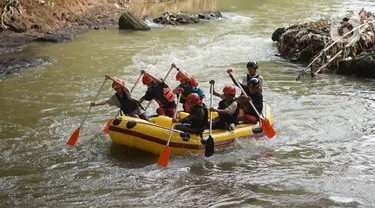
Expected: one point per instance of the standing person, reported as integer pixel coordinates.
(249, 115)
(228, 108)
(161, 93)
(123, 100)
(196, 121)
(186, 88)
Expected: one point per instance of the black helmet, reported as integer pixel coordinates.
(252, 64)
(253, 82)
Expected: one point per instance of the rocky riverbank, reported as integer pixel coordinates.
(337, 44)
(61, 20)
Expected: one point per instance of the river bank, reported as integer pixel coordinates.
(57, 21)
(62, 21)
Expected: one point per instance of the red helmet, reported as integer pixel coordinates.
(146, 79)
(229, 90)
(193, 99)
(116, 84)
(181, 75)
(193, 82)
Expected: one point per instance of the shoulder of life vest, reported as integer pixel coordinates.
(248, 76)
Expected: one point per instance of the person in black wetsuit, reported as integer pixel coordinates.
(196, 121)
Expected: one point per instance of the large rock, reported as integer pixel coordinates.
(129, 21)
(11, 66)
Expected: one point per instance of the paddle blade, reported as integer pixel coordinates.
(210, 147)
(164, 157)
(105, 130)
(267, 128)
(73, 139)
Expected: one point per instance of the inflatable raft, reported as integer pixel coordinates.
(153, 136)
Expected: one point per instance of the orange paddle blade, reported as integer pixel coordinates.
(164, 157)
(267, 128)
(73, 139)
(105, 130)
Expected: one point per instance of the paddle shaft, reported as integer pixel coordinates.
(165, 77)
(211, 96)
(174, 116)
(243, 91)
(96, 97)
(136, 82)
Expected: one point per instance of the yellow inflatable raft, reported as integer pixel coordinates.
(153, 136)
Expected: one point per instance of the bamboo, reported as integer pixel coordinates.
(329, 61)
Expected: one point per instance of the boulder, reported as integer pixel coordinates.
(11, 66)
(129, 21)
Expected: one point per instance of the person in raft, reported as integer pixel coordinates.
(228, 108)
(249, 115)
(252, 67)
(196, 121)
(161, 93)
(123, 100)
(186, 87)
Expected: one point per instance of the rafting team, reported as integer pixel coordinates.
(191, 97)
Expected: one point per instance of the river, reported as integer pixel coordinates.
(322, 155)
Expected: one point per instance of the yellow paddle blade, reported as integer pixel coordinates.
(267, 128)
(73, 139)
(106, 127)
(164, 157)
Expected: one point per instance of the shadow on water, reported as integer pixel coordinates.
(130, 157)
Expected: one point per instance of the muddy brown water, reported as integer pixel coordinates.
(322, 155)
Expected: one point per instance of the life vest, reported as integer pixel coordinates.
(127, 105)
(248, 77)
(226, 117)
(199, 92)
(163, 95)
(257, 99)
(188, 89)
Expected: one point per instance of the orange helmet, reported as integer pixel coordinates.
(116, 84)
(146, 79)
(193, 82)
(193, 99)
(229, 90)
(181, 75)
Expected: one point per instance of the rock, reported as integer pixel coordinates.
(182, 18)
(62, 35)
(11, 66)
(277, 34)
(363, 65)
(129, 21)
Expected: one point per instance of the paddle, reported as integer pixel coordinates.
(266, 126)
(106, 127)
(165, 77)
(166, 152)
(210, 145)
(74, 137)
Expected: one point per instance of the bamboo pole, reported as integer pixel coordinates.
(329, 61)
